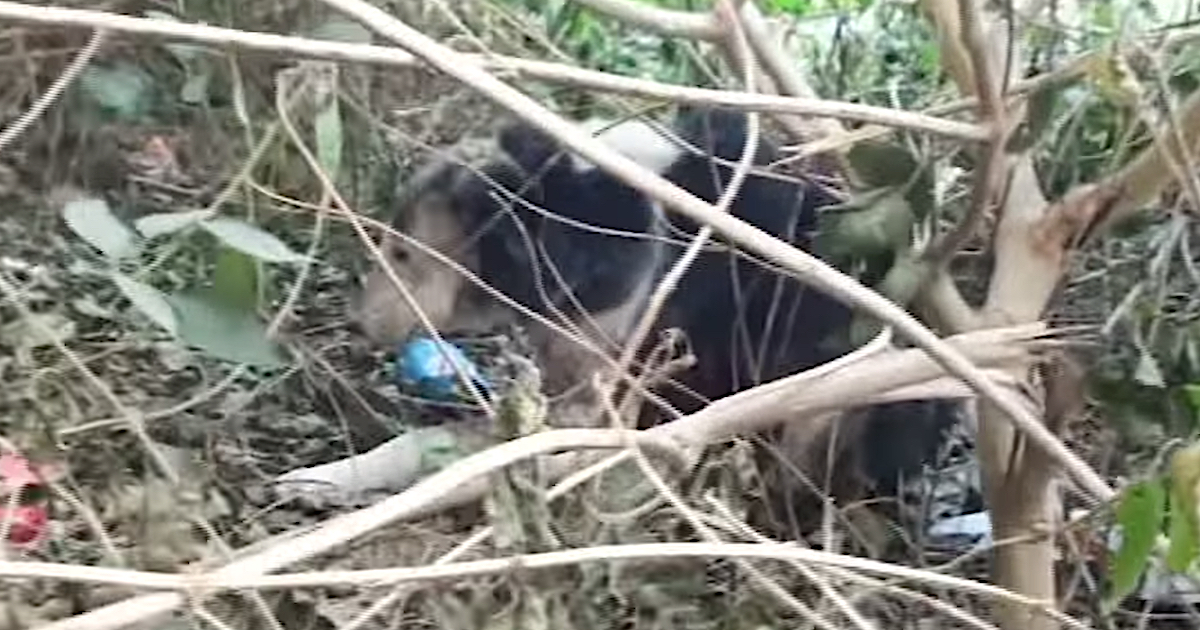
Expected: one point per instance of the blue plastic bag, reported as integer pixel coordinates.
(428, 366)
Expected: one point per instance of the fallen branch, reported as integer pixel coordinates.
(206, 583)
(888, 376)
(464, 481)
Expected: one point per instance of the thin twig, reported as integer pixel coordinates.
(730, 521)
(68, 76)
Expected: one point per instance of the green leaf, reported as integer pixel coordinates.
(150, 301)
(235, 280)
(195, 89)
(1192, 391)
(904, 279)
(899, 285)
(920, 193)
(858, 200)
(123, 89)
(1184, 533)
(881, 165)
(1182, 530)
(328, 128)
(1140, 515)
(93, 221)
(795, 7)
(225, 333)
(883, 227)
(251, 240)
(153, 225)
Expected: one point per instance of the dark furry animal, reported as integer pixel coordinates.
(576, 245)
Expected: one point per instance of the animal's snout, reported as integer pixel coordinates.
(375, 311)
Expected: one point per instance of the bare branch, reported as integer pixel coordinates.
(661, 21)
(1144, 178)
(987, 88)
(947, 23)
(462, 482)
(951, 309)
(493, 566)
(699, 26)
(782, 70)
(542, 70)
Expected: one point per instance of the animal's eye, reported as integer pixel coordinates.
(398, 254)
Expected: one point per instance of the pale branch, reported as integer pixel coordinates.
(816, 390)
(783, 71)
(203, 583)
(947, 25)
(986, 87)
(1145, 177)
(540, 70)
(801, 400)
(465, 481)
(1035, 236)
(662, 21)
(950, 307)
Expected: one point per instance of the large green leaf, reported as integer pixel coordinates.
(249, 239)
(884, 226)
(153, 225)
(123, 89)
(328, 128)
(880, 165)
(236, 280)
(224, 332)
(1140, 515)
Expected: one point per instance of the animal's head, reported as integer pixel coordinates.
(483, 206)
(444, 207)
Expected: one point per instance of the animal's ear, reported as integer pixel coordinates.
(717, 132)
(528, 146)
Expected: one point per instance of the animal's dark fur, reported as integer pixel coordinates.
(745, 323)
